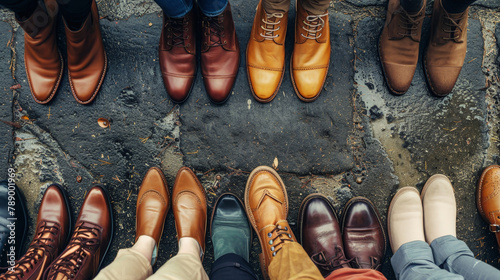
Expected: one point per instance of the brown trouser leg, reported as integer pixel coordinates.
(293, 263)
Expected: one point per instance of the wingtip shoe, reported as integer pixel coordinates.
(266, 204)
(488, 198)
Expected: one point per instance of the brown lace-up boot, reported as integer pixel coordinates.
(42, 59)
(266, 53)
(87, 62)
(220, 55)
(311, 53)
(90, 240)
(266, 204)
(177, 54)
(52, 231)
(398, 46)
(445, 53)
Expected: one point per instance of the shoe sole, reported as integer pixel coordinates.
(168, 208)
(250, 216)
(377, 214)
(398, 193)
(479, 191)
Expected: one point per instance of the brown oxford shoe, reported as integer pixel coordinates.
(177, 53)
(488, 198)
(363, 234)
(220, 55)
(51, 235)
(153, 202)
(311, 53)
(189, 206)
(445, 53)
(320, 235)
(266, 204)
(266, 53)
(87, 61)
(398, 46)
(42, 59)
(90, 241)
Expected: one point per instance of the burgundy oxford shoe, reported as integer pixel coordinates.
(319, 234)
(363, 234)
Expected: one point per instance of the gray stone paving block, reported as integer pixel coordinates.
(244, 133)
(497, 33)
(444, 135)
(6, 96)
(132, 98)
(364, 3)
(488, 3)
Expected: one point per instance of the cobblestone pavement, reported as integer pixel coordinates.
(356, 139)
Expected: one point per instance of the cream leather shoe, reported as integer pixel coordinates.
(440, 208)
(405, 218)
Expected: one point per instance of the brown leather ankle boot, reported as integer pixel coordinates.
(398, 46)
(445, 53)
(220, 55)
(51, 235)
(42, 59)
(87, 60)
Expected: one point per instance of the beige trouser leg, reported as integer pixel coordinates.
(181, 267)
(276, 6)
(128, 265)
(131, 265)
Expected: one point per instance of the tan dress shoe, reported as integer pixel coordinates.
(440, 208)
(488, 198)
(266, 54)
(398, 46)
(311, 53)
(189, 204)
(405, 218)
(87, 61)
(445, 53)
(153, 202)
(42, 59)
(266, 204)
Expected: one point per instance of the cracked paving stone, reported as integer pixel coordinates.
(6, 99)
(244, 134)
(442, 135)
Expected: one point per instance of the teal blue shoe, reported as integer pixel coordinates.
(229, 228)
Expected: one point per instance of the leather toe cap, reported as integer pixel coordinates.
(398, 76)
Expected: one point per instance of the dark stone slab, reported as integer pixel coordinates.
(132, 98)
(444, 135)
(492, 4)
(6, 97)
(243, 133)
(497, 34)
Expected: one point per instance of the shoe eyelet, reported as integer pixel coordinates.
(272, 248)
(290, 235)
(270, 242)
(225, 42)
(279, 227)
(274, 254)
(286, 228)
(269, 235)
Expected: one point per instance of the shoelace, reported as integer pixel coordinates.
(315, 24)
(269, 26)
(282, 236)
(409, 23)
(175, 30)
(84, 241)
(453, 25)
(214, 29)
(35, 252)
(336, 262)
